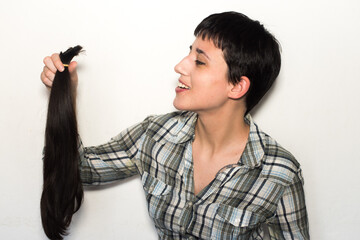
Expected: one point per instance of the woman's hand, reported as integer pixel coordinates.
(52, 64)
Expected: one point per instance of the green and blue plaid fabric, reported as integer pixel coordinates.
(262, 193)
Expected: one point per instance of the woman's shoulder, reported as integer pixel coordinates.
(277, 163)
(280, 164)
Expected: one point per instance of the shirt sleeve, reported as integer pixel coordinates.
(291, 220)
(113, 160)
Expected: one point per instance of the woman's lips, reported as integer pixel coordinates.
(181, 87)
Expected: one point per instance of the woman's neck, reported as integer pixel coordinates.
(221, 129)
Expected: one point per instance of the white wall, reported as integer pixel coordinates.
(127, 73)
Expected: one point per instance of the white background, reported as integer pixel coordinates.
(127, 74)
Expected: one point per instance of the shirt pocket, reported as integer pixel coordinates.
(158, 197)
(234, 223)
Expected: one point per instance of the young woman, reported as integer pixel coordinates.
(208, 171)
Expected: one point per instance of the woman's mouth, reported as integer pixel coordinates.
(182, 86)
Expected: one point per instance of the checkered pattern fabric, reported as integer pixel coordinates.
(263, 190)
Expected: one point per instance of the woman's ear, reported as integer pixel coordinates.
(239, 89)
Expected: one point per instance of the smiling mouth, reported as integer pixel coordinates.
(183, 86)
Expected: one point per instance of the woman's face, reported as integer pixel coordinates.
(203, 83)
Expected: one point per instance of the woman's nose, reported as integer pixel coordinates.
(181, 67)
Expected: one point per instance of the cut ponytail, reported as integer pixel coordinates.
(62, 190)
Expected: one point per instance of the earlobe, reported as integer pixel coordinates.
(239, 89)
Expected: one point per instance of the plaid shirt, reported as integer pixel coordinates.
(263, 190)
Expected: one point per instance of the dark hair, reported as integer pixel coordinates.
(249, 50)
(62, 190)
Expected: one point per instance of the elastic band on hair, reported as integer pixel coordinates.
(66, 65)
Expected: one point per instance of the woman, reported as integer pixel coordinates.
(208, 171)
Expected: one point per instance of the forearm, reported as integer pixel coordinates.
(105, 164)
(114, 160)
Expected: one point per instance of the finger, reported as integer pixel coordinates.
(72, 66)
(57, 62)
(47, 82)
(73, 71)
(49, 64)
(48, 73)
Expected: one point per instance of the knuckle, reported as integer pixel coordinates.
(46, 59)
(46, 81)
(55, 58)
(54, 55)
(42, 76)
(49, 75)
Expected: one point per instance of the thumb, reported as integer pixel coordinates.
(72, 70)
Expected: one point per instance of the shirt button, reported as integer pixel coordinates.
(237, 221)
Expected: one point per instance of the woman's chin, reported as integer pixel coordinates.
(177, 104)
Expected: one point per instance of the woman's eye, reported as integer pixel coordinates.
(199, 62)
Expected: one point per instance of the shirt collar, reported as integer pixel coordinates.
(180, 128)
(255, 147)
(176, 127)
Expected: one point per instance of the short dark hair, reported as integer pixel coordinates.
(249, 50)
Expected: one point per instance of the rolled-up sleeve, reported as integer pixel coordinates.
(291, 220)
(114, 160)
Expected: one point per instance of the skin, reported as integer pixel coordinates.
(221, 132)
(204, 71)
(52, 64)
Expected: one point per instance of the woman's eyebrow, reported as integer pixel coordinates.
(199, 51)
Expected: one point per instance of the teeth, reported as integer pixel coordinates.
(180, 85)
